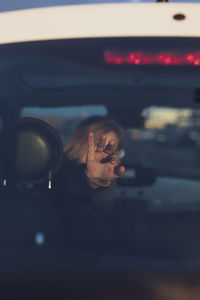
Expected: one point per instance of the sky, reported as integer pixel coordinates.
(8, 5)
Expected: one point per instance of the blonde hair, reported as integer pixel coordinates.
(76, 146)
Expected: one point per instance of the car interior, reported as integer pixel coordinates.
(150, 86)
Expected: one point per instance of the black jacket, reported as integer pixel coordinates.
(85, 213)
(71, 184)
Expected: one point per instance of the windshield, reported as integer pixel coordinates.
(168, 144)
(138, 125)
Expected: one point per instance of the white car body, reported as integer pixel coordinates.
(100, 20)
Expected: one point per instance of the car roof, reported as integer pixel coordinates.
(100, 20)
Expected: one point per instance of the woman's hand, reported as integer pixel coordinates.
(101, 162)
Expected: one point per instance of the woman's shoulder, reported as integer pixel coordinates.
(68, 173)
(67, 164)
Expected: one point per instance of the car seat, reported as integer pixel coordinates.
(29, 225)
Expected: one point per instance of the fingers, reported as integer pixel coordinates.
(114, 159)
(91, 146)
(118, 171)
(101, 143)
(110, 148)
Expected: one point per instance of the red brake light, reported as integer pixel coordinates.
(145, 58)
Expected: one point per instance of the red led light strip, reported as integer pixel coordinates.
(145, 58)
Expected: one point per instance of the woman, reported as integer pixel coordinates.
(90, 164)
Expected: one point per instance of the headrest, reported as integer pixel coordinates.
(39, 151)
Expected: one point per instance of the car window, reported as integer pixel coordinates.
(65, 119)
(167, 143)
(152, 209)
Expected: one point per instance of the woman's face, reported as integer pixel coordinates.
(110, 136)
